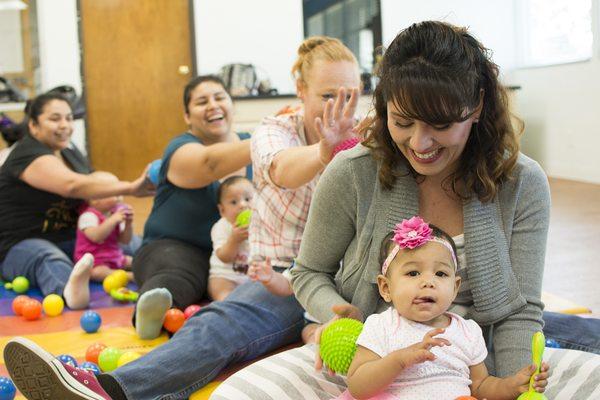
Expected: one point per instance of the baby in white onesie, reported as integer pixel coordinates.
(417, 350)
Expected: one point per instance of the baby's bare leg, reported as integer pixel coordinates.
(99, 272)
(219, 288)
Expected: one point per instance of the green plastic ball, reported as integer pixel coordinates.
(20, 284)
(109, 358)
(338, 344)
(243, 219)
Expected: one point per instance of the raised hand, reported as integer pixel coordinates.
(337, 123)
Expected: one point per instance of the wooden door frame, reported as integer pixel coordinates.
(192, 38)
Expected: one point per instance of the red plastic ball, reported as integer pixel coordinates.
(92, 352)
(17, 304)
(191, 310)
(174, 319)
(31, 309)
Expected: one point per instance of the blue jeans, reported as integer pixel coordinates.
(247, 324)
(43, 263)
(573, 332)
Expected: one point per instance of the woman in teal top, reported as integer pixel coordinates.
(172, 266)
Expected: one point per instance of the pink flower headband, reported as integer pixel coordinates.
(410, 234)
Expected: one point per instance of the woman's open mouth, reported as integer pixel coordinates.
(427, 158)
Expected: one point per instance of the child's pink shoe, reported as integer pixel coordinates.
(39, 375)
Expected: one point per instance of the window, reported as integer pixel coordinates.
(357, 23)
(555, 31)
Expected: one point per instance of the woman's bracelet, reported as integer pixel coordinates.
(346, 145)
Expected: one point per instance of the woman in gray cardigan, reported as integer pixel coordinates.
(441, 146)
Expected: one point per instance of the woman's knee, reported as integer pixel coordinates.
(35, 250)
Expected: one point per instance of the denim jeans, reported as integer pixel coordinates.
(573, 332)
(43, 263)
(247, 324)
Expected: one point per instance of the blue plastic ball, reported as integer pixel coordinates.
(67, 359)
(90, 367)
(154, 170)
(90, 321)
(8, 390)
(552, 344)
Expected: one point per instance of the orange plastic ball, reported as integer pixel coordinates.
(466, 398)
(31, 310)
(92, 352)
(17, 304)
(174, 319)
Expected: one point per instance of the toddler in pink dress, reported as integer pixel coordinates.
(102, 227)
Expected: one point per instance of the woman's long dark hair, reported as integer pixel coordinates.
(439, 73)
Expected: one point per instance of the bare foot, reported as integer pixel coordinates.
(77, 289)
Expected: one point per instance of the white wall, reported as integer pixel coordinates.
(59, 52)
(561, 109)
(265, 33)
(58, 44)
(11, 45)
(492, 23)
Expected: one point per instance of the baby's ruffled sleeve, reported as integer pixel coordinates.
(373, 335)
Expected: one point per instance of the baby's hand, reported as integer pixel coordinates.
(239, 234)
(261, 271)
(520, 380)
(118, 216)
(421, 352)
(127, 211)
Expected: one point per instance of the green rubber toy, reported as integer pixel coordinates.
(338, 344)
(20, 284)
(123, 294)
(538, 344)
(243, 219)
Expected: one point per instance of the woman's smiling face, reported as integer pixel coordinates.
(431, 150)
(54, 126)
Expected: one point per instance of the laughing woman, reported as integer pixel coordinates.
(172, 266)
(43, 182)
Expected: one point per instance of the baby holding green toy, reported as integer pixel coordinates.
(229, 260)
(417, 349)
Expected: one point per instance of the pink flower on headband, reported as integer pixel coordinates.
(412, 233)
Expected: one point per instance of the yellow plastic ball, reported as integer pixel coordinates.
(128, 357)
(110, 282)
(53, 305)
(121, 277)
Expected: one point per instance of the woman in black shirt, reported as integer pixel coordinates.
(42, 183)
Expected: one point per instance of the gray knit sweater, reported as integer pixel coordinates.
(505, 242)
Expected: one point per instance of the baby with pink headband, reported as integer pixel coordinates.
(416, 349)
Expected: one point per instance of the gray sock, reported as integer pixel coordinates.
(150, 312)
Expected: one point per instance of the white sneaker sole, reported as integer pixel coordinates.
(38, 375)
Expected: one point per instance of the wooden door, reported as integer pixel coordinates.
(137, 57)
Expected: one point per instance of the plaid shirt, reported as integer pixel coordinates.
(279, 215)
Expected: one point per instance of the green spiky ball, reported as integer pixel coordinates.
(243, 219)
(338, 344)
